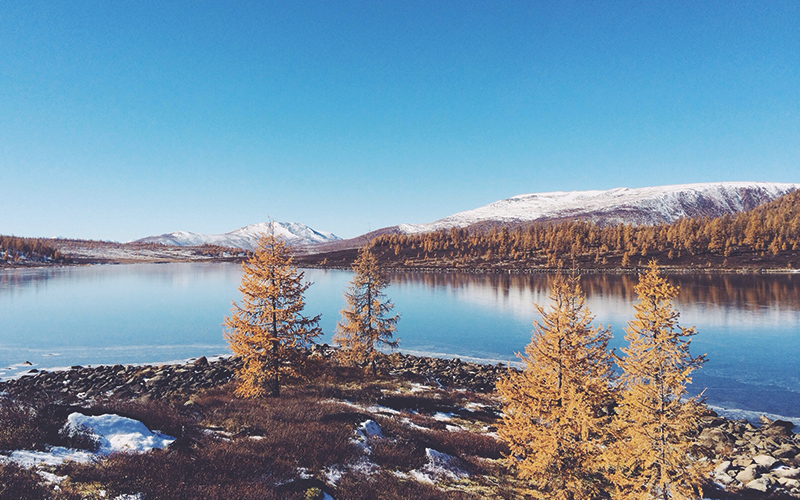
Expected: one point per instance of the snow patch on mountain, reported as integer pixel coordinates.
(650, 205)
(293, 233)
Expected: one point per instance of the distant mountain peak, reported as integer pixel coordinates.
(649, 205)
(293, 233)
(622, 205)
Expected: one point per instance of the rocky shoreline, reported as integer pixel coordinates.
(759, 460)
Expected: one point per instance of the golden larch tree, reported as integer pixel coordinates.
(554, 410)
(267, 329)
(365, 326)
(653, 455)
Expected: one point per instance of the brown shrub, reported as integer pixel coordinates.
(401, 455)
(465, 443)
(296, 429)
(18, 426)
(20, 484)
(218, 470)
(387, 486)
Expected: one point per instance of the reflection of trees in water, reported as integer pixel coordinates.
(18, 280)
(743, 291)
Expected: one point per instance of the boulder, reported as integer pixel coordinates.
(723, 467)
(788, 483)
(749, 474)
(766, 461)
(715, 438)
(762, 484)
(786, 450)
(786, 472)
(779, 428)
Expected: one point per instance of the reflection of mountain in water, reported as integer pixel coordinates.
(755, 293)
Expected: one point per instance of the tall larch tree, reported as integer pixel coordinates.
(554, 410)
(653, 455)
(365, 326)
(267, 329)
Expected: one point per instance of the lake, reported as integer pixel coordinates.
(749, 325)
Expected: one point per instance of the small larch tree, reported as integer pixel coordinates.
(554, 410)
(653, 455)
(365, 326)
(267, 329)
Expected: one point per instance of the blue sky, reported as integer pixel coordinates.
(124, 119)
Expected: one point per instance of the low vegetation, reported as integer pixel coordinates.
(297, 446)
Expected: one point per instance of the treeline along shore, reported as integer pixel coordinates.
(446, 404)
(764, 238)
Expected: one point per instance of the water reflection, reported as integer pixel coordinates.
(748, 324)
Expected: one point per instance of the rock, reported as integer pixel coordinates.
(723, 478)
(786, 450)
(723, 466)
(715, 438)
(788, 483)
(761, 484)
(779, 428)
(201, 361)
(749, 474)
(786, 472)
(742, 461)
(766, 461)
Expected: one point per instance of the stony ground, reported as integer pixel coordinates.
(433, 425)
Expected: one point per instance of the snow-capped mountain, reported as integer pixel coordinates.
(293, 233)
(651, 205)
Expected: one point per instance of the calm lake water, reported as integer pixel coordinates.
(749, 325)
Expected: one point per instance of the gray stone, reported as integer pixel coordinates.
(786, 451)
(723, 478)
(762, 484)
(723, 467)
(788, 483)
(786, 472)
(749, 474)
(766, 461)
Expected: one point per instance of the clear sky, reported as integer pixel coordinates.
(123, 119)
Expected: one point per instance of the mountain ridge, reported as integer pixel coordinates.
(648, 205)
(293, 233)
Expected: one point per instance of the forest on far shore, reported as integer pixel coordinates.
(766, 237)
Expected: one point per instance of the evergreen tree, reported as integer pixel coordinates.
(266, 329)
(652, 455)
(364, 326)
(554, 409)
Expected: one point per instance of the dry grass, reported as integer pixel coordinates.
(229, 447)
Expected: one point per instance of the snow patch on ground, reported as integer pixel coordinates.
(113, 433)
(367, 430)
(116, 433)
(439, 466)
(54, 455)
